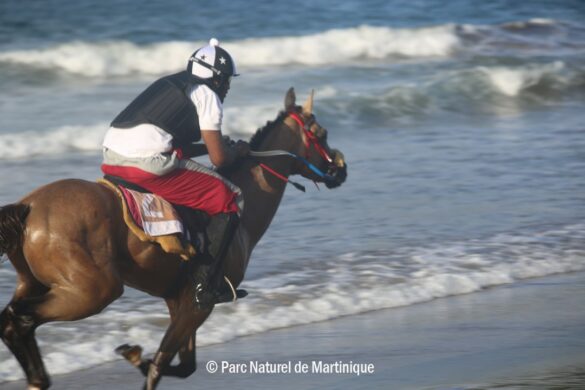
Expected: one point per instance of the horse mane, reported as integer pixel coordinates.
(262, 132)
(256, 141)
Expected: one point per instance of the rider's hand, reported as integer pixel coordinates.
(228, 141)
(242, 148)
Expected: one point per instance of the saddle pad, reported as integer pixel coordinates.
(154, 214)
(170, 243)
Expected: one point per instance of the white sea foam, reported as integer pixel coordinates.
(52, 142)
(122, 58)
(532, 22)
(463, 90)
(512, 81)
(340, 45)
(350, 284)
(238, 121)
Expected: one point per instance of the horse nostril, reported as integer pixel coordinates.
(341, 173)
(337, 174)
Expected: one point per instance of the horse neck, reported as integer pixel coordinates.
(262, 190)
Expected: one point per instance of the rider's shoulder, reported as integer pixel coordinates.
(202, 94)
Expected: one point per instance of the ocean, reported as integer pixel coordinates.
(462, 124)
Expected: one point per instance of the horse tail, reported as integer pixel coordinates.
(12, 224)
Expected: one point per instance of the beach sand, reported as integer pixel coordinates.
(528, 335)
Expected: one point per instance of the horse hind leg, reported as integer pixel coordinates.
(17, 331)
(88, 292)
(20, 319)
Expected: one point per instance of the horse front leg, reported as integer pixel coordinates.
(181, 310)
(187, 359)
(179, 334)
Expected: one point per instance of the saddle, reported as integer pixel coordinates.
(177, 229)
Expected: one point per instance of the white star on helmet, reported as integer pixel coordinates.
(222, 60)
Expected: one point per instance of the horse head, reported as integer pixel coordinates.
(315, 159)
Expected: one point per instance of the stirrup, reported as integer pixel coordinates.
(207, 299)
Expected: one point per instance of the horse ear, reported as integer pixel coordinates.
(308, 106)
(290, 100)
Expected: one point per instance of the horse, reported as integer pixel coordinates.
(73, 253)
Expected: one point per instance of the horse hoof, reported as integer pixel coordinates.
(132, 353)
(121, 348)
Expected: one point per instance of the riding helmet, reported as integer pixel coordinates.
(213, 64)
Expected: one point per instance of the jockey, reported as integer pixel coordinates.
(149, 144)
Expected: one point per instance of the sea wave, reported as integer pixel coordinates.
(331, 47)
(349, 284)
(512, 81)
(52, 142)
(240, 122)
(489, 90)
(124, 58)
(488, 84)
(493, 90)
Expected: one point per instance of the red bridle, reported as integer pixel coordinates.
(311, 139)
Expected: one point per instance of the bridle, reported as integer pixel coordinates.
(310, 139)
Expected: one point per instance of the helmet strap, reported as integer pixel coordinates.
(220, 87)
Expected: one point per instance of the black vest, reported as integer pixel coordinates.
(166, 104)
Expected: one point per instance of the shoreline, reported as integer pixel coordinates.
(522, 331)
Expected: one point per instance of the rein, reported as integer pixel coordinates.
(310, 138)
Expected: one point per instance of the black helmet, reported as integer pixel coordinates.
(214, 65)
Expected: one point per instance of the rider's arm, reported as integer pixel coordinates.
(220, 153)
(210, 113)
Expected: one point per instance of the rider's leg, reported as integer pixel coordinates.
(210, 287)
(181, 182)
(198, 187)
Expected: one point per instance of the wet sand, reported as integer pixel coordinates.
(530, 335)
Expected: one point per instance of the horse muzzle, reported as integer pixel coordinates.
(337, 171)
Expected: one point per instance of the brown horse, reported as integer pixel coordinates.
(74, 254)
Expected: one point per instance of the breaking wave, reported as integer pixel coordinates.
(53, 142)
(240, 122)
(492, 90)
(336, 46)
(123, 58)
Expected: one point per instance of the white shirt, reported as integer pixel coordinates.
(147, 140)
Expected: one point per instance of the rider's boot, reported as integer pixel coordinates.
(210, 286)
